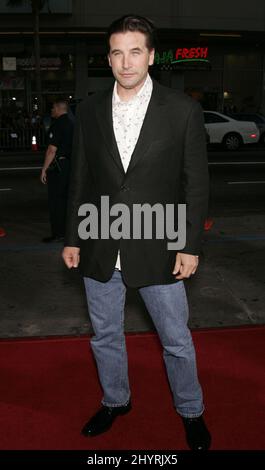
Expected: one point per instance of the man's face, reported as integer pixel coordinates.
(129, 58)
(54, 111)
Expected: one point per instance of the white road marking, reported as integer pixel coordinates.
(5, 189)
(245, 182)
(22, 168)
(236, 163)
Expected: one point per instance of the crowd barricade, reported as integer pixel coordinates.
(21, 139)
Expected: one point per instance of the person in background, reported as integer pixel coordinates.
(56, 169)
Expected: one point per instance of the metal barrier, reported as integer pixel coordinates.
(21, 139)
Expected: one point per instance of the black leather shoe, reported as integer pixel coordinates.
(197, 434)
(103, 419)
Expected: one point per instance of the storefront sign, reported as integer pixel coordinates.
(9, 63)
(46, 63)
(11, 83)
(192, 53)
(182, 54)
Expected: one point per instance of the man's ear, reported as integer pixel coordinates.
(109, 60)
(152, 56)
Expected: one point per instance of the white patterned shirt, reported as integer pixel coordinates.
(128, 118)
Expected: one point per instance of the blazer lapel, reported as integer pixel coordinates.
(104, 116)
(150, 127)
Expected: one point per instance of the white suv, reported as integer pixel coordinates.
(229, 132)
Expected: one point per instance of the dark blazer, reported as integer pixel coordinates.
(168, 165)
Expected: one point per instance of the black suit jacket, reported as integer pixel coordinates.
(168, 166)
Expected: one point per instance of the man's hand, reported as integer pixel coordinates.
(71, 256)
(185, 265)
(49, 157)
(43, 176)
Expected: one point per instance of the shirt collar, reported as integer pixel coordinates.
(145, 90)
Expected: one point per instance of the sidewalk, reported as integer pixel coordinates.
(20, 153)
(40, 297)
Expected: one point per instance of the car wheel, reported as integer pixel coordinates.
(232, 141)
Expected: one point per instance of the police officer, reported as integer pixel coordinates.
(56, 168)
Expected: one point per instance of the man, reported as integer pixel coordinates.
(139, 143)
(56, 169)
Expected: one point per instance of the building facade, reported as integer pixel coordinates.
(213, 51)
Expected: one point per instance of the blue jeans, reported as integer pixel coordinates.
(168, 307)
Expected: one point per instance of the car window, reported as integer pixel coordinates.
(248, 117)
(212, 118)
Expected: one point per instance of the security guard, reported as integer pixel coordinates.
(56, 168)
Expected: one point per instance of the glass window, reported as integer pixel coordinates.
(212, 118)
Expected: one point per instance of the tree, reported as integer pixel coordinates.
(36, 7)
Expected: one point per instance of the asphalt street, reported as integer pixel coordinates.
(40, 297)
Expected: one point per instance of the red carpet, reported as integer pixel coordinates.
(49, 388)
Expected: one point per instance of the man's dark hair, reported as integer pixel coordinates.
(134, 23)
(61, 101)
